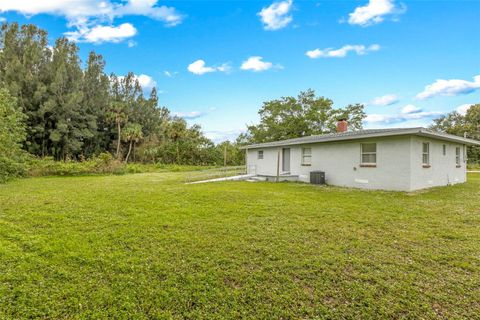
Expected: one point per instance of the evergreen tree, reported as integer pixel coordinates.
(96, 101)
(24, 71)
(71, 123)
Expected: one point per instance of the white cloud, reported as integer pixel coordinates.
(377, 118)
(190, 115)
(80, 10)
(374, 12)
(408, 113)
(462, 109)
(2, 19)
(256, 64)
(149, 8)
(100, 34)
(410, 109)
(276, 16)
(396, 118)
(72, 9)
(218, 136)
(341, 52)
(452, 87)
(145, 81)
(170, 74)
(385, 100)
(225, 67)
(199, 67)
(90, 17)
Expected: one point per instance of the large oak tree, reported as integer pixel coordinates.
(304, 115)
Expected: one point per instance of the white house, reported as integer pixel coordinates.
(390, 159)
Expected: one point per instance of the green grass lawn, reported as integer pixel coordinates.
(147, 246)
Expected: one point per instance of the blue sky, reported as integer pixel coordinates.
(215, 62)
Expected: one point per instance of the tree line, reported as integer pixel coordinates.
(75, 112)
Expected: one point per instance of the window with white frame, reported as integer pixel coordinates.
(260, 154)
(457, 156)
(306, 156)
(444, 150)
(426, 153)
(369, 153)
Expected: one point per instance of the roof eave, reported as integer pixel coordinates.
(408, 131)
(449, 137)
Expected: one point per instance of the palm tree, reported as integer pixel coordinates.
(118, 116)
(132, 134)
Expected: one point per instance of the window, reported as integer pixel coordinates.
(260, 154)
(369, 153)
(444, 150)
(457, 156)
(426, 154)
(306, 156)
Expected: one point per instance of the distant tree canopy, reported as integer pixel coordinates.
(304, 115)
(75, 112)
(457, 124)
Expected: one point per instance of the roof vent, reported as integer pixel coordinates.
(342, 125)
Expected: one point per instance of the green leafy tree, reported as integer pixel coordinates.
(452, 123)
(461, 125)
(472, 119)
(12, 135)
(230, 150)
(304, 115)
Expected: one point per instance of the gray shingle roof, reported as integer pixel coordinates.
(362, 134)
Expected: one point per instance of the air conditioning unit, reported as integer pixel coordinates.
(317, 177)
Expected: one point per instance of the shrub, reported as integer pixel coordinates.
(103, 164)
(473, 166)
(11, 168)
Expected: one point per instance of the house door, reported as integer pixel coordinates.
(286, 159)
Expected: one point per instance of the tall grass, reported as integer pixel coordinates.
(104, 164)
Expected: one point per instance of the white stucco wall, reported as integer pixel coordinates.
(443, 169)
(399, 163)
(265, 166)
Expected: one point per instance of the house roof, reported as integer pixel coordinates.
(363, 134)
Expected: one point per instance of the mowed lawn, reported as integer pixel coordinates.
(147, 246)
